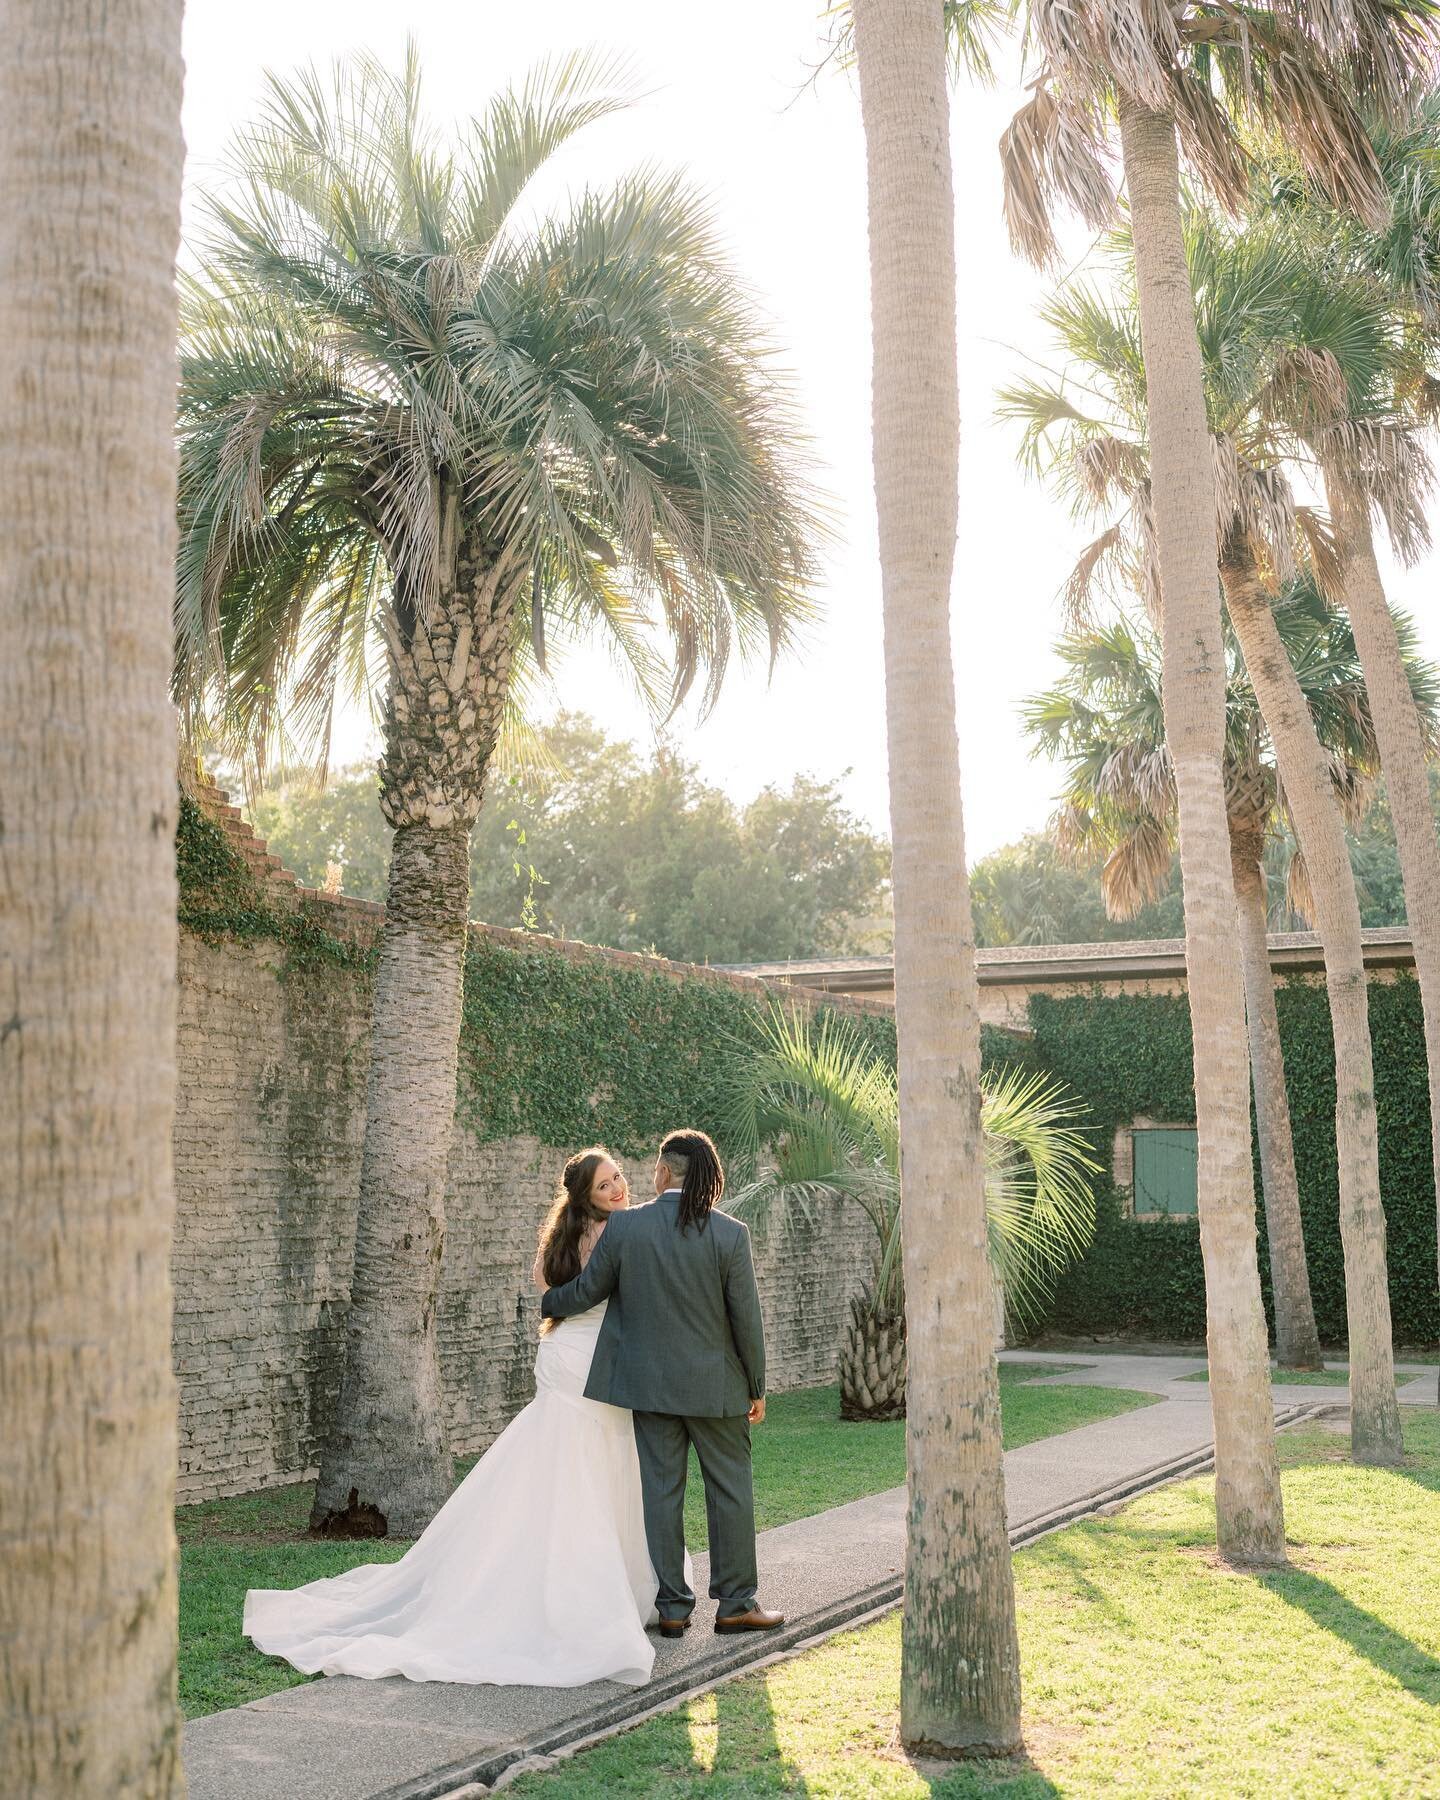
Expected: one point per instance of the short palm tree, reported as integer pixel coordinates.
(91, 166)
(420, 428)
(1248, 295)
(1104, 720)
(814, 1118)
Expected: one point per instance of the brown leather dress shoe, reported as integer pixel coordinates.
(673, 1628)
(757, 1619)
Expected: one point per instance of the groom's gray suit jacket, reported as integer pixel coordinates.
(683, 1334)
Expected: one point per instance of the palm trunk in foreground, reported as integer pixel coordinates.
(90, 170)
(1320, 832)
(1249, 1514)
(960, 1673)
(1297, 1343)
(386, 1467)
(1403, 759)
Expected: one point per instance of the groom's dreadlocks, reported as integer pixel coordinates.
(691, 1156)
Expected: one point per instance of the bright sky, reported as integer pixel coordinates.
(784, 164)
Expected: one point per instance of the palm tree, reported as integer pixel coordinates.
(90, 166)
(822, 1109)
(413, 419)
(1367, 461)
(1246, 318)
(1186, 74)
(1104, 719)
(960, 1665)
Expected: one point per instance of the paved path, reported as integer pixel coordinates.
(1165, 1373)
(341, 1739)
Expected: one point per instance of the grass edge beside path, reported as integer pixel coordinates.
(806, 1461)
(1150, 1671)
(1290, 1377)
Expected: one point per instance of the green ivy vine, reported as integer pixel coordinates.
(575, 1052)
(1129, 1056)
(220, 899)
(567, 1051)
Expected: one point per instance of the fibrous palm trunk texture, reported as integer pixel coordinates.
(960, 1668)
(1319, 829)
(386, 1463)
(1403, 759)
(872, 1363)
(1249, 1513)
(90, 170)
(1297, 1342)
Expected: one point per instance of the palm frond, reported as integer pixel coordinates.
(815, 1116)
(1038, 1193)
(385, 349)
(1048, 153)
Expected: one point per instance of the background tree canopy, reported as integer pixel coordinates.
(640, 853)
(1028, 893)
(634, 852)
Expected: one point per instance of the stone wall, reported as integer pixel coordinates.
(268, 1132)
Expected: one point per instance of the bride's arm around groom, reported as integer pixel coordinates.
(682, 1347)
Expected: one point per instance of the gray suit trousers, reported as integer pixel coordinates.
(723, 1448)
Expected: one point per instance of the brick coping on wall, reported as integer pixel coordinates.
(361, 920)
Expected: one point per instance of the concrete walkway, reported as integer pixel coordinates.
(1164, 1373)
(341, 1739)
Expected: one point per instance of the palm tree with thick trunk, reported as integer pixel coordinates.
(90, 168)
(960, 1665)
(421, 431)
(1253, 288)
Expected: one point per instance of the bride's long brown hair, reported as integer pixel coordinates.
(569, 1215)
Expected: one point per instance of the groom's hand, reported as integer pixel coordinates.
(757, 1412)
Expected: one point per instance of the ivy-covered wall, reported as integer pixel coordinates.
(573, 1045)
(1129, 1056)
(562, 1045)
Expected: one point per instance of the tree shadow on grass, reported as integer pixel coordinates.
(1005, 1778)
(1380, 1644)
(1017, 1777)
(746, 1740)
(1060, 1556)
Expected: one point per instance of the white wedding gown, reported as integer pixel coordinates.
(534, 1572)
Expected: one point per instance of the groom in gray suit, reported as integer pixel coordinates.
(683, 1347)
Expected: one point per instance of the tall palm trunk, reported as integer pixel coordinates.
(960, 1673)
(90, 170)
(1320, 832)
(1297, 1343)
(1250, 1518)
(1403, 758)
(386, 1453)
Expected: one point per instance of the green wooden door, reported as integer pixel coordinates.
(1165, 1170)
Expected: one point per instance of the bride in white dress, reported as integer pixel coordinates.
(535, 1570)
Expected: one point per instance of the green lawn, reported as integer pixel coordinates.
(1297, 1377)
(805, 1461)
(1150, 1672)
